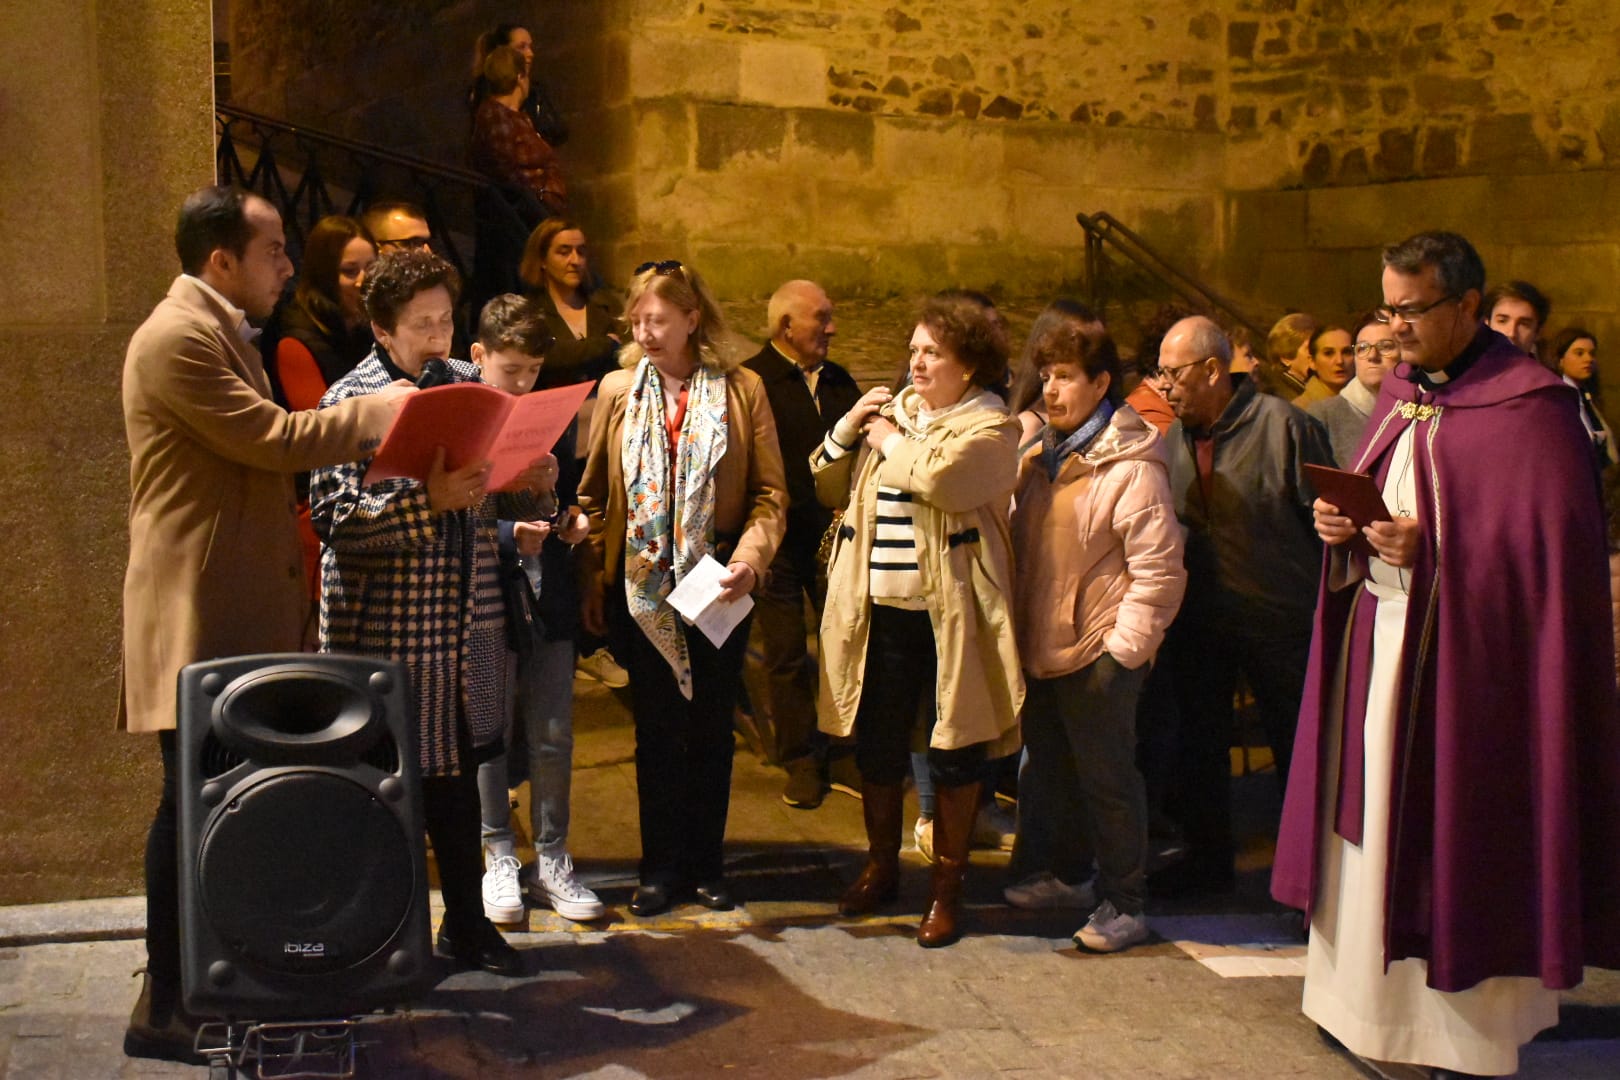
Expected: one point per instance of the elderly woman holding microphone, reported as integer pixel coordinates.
(916, 622)
(683, 463)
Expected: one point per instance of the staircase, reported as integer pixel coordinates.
(308, 174)
(1126, 273)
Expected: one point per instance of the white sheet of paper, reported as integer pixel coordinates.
(697, 599)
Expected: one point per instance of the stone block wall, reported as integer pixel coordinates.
(102, 142)
(890, 146)
(1317, 249)
(887, 150)
(1337, 92)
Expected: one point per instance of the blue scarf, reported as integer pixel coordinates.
(1053, 452)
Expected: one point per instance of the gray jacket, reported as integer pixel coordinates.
(1252, 550)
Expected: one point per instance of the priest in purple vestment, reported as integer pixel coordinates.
(1452, 821)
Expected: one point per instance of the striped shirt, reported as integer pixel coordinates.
(894, 578)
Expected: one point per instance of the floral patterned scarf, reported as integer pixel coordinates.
(669, 513)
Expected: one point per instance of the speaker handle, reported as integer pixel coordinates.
(293, 712)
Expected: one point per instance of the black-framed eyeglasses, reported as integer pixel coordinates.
(1409, 313)
(662, 268)
(407, 243)
(1173, 372)
(1389, 348)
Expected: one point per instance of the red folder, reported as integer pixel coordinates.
(1356, 495)
(475, 422)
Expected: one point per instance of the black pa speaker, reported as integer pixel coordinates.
(303, 882)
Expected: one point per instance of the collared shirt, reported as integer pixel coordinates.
(244, 330)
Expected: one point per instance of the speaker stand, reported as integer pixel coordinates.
(266, 1050)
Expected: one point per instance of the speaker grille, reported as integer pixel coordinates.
(305, 873)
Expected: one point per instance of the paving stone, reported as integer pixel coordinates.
(783, 987)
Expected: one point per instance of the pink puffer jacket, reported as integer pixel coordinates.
(1097, 551)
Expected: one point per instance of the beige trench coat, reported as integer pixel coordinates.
(962, 474)
(214, 563)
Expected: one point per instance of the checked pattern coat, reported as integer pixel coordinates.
(400, 581)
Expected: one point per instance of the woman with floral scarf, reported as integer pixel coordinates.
(683, 463)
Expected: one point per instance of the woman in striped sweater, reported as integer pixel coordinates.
(916, 623)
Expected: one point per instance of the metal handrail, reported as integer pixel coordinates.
(1104, 228)
(420, 165)
(447, 193)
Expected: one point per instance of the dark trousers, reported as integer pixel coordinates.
(897, 687)
(450, 812)
(786, 710)
(1079, 792)
(1206, 657)
(163, 884)
(683, 749)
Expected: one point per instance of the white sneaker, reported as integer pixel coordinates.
(554, 883)
(995, 827)
(1108, 930)
(922, 834)
(503, 899)
(1045, 890)
(601, 666)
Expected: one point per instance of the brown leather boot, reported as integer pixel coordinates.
(955, 810)
(879, 882)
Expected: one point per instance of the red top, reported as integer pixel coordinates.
(301, 380)
(506, 147)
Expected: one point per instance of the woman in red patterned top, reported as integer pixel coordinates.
(505, 145)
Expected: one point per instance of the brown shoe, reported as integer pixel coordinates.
(953, 832)
(165, 1032)
(879, 883)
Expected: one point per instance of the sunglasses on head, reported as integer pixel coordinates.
(662, 268)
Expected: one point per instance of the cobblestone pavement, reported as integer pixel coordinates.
(784, 988)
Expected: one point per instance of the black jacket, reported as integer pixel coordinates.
(573, 360)
(800, 427)
(1252, 550)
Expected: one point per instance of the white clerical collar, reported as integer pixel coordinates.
(244, 330)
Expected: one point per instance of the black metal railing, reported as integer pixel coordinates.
(1105, 278)
(308, 174)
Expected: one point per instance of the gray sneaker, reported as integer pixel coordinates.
(1109, 930)
(922, 834)
(1044, 890)
(602, 667)
(995, 826)
(555, 884)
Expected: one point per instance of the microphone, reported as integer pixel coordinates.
(435, 372)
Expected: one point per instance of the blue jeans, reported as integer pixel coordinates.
(543, 709)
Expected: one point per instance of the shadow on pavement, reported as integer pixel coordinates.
(651, 1005)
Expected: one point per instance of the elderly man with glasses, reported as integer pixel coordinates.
(1452, 828)
(1236, 472)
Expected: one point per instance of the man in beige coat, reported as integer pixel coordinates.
(214, 562)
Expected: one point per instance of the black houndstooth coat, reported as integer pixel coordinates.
(400, 581)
